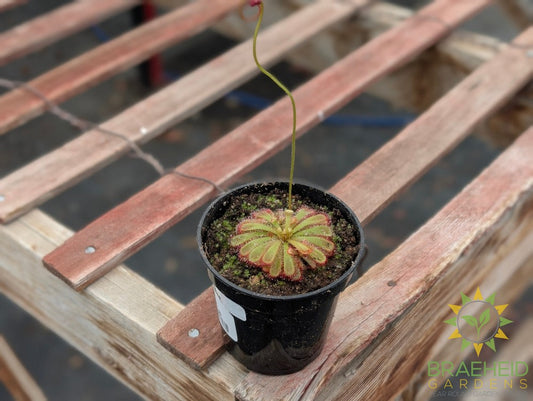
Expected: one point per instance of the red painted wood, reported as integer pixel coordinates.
(199, 351)
(7, 4)
(55, 25)
(123, 230)
(75, 76)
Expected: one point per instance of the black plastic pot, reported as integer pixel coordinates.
(277, 334)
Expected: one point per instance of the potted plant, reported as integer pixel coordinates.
(278, 255)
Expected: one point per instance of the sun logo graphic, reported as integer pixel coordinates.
(478, 321)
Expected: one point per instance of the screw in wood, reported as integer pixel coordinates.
(193, 333)
(143, 130)
(90, 249)
(2, 198)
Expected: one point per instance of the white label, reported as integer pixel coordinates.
(227, 310)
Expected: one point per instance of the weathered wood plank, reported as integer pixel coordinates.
(435, 132)
(69, 164)
(57, 24)
(172, 197)
(181, 335)
(15, 377)
(7, 4)
(407, 292)
(18, 106)
(114, 322)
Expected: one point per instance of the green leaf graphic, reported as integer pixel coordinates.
(490, 344)
(490, 299)
(471, 320)
(452, 321)
(504, 321)
(484, 318)
(465, 299)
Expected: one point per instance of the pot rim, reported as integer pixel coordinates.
(356, 262)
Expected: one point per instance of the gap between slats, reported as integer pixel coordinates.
(172, 197)
(386, 173)
(64, 167)
(46, 29)
(71, 78)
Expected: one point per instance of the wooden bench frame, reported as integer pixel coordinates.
(481, 238)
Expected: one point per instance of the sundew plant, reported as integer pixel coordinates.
(283, 243)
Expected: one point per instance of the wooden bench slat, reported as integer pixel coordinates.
(7, 4)
(32, 184)
(115, 237)
(15, 377)
(203, 346)
(57, 24)
(75, 76)
(369, 187)
(397, 296)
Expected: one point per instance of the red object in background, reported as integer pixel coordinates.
(154, 65)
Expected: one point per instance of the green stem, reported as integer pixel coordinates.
(288, 92)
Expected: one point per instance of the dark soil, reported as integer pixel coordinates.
(224, 257)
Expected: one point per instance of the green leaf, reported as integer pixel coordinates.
(251, 245)
(316, 220)
(490, 344)
(257, 253)
(490, 299)
(264, 214)
(272, 251)
(302, 248)
(452, 321)
(504, 321)
(465, 299)
(319, 242)
(302, 213)
(275, 269)
(471, 320)
(484, 318)
(289, 264)
(251, 225)
(314, 230)
(241, 239)
(465, 344)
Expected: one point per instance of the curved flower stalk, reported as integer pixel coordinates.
(284, 243)
(259, 4)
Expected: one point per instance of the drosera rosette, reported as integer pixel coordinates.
(284, 243)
